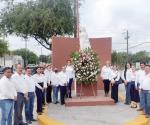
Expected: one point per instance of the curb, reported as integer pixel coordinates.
(45, 120)
(139, 120)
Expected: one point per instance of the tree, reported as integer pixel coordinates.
(31, 57)
(40, 19)
(44, 58)
(119, 58)
(3, 47)
(141, 56)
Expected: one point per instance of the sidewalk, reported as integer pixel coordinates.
(93, 115)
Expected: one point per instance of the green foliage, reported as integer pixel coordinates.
(120, 57)
(86, 65)
(32, 58)
(40, 19)
(44, 58)
(141, 56)
(3, 47)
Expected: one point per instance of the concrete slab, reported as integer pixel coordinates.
(97, 115)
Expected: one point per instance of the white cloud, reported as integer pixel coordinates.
(104, 18)
(111, 17)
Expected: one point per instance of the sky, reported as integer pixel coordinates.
(107, 18)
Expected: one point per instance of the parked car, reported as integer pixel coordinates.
(33, 67)
(1, 71)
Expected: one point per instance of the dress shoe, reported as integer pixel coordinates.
(33, 120)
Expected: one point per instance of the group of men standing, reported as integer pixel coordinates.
(18, 91)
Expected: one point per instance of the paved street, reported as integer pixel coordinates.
(93, 115)
(98, 115)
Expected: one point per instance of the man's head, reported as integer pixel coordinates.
(147, 69)
(38, 70)
(19, 69)
(142, 65)
(42, 70)
(63, 69)
(108, 63)
(69, 62)
(28, 71)
(49, 67)
(7, 71)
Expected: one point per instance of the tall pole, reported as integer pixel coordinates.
(75, 18)
(78, 19)
(127, 38)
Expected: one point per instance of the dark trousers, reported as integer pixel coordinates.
(106, 85)
(39, 99)
(69, 87)
(29, 106)
(18, 107)
(128, 96)
(62, 94)
(146, 99)
(114, 92)
(6, 107)
(134, 93)
(55, 93)
(48, 94)
(43, 97)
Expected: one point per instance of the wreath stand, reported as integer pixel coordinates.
(81, 90)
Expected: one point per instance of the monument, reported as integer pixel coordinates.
(62, 48)
(84, 40)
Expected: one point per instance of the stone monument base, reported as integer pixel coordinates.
(90, 100)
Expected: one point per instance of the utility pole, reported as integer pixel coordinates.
(76, 18)
(127, 38)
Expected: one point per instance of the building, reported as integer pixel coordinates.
(11, 60)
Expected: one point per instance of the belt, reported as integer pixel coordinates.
(20, 93)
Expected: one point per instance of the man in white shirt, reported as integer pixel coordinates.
(115, 81)
(45, 84)
(55, 85)
(8, 95)
(22, 95)
(29, 105)
(48, 73)
(145, 88)
(105, 74)
(63, 82)
(71, 75)
(138, 81)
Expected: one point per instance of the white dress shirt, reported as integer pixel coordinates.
(40, 78)
(70, 72)
(105, 72)
(145, 84)
(45, 80)
(63, 78)
(20, 83)
(114, 75)
(139, 77)
(48, 75)
(128, 75)
(7, 89)
(30, 83)
(55, 80)
(133, 76)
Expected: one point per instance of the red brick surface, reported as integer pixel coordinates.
(63, 47)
